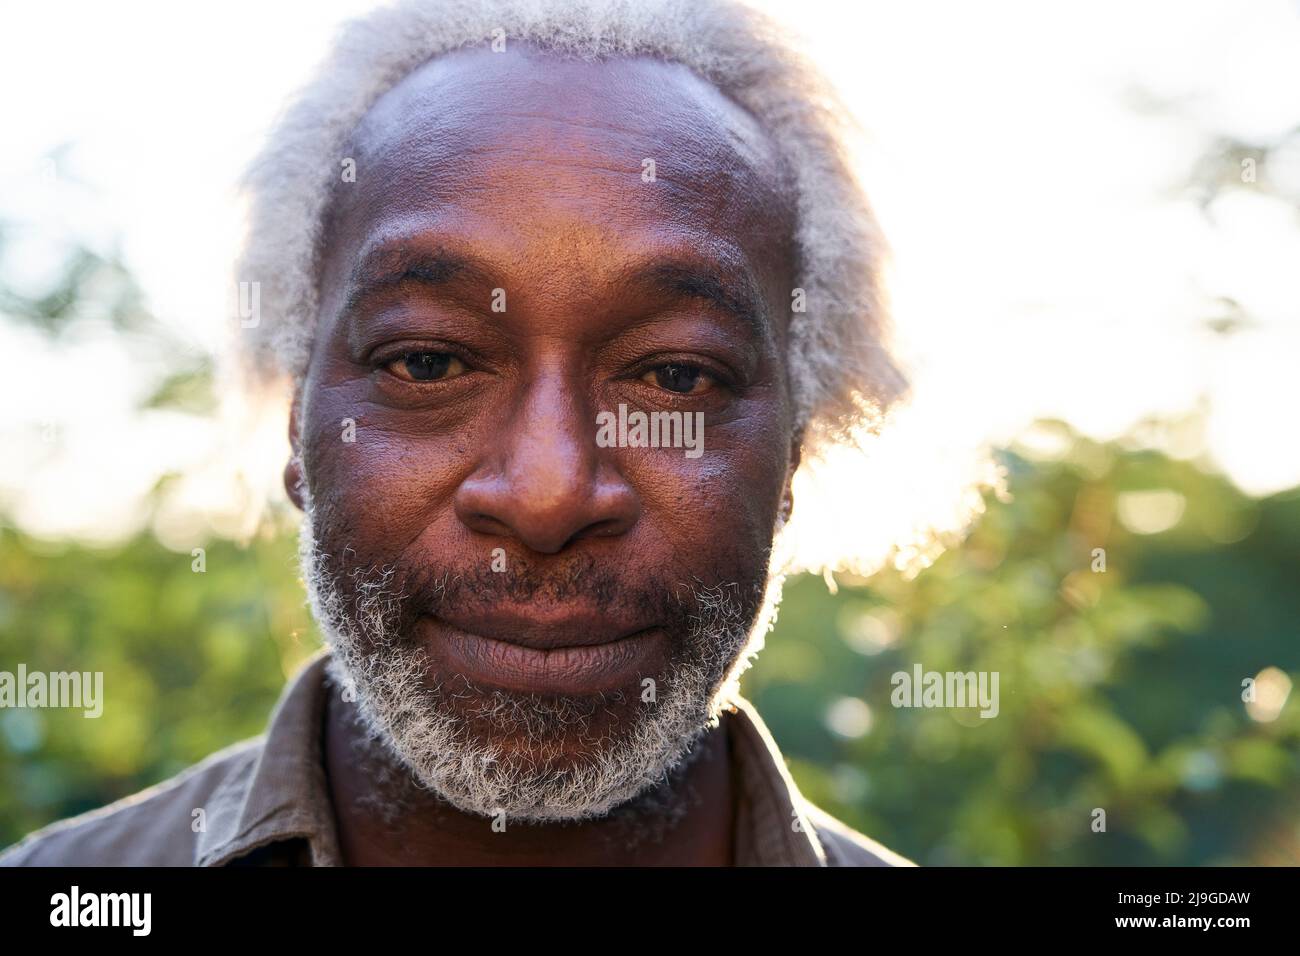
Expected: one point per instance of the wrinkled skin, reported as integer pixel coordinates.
(475, 428)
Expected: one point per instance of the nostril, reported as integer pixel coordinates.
(601, 529)
(486, 524)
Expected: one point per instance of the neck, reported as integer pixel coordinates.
(386, 819)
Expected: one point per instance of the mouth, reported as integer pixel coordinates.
(562, 655)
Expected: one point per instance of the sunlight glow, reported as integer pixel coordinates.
(1047, 261)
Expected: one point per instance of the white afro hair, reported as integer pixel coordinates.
(841, 369)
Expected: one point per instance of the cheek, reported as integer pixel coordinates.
(715, 513)
(386, 484)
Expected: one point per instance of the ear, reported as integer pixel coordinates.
(293, 477)
(787, 493)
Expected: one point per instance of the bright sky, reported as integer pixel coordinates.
(1045, 263)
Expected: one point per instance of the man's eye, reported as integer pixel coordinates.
(426, 366)
(682, 379)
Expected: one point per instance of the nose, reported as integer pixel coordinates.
(546, 483)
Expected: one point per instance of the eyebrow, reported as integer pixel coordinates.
(388, 266)
(740, 300)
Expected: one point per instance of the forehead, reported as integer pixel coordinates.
(572, 161)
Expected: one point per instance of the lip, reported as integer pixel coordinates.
(544, 628)
(562, 653)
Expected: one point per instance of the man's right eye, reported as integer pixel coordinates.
(425, 366)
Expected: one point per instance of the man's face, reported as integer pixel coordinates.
(534, 619)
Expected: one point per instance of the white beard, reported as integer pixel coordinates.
(422, 729)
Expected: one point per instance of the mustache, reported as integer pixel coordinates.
(396, 595)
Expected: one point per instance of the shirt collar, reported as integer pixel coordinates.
(283, 795)
(772, 827)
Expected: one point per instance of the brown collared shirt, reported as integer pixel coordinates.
(266, 802)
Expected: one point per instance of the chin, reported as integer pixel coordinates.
(544, 729)
(533, 757)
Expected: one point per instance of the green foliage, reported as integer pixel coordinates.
(192, 662)
(1120, 690)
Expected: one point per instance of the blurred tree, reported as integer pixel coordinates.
(192, 662)
(1120, 689)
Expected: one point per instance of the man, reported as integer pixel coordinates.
(565, 292)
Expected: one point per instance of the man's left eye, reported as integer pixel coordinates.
(678, 378)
